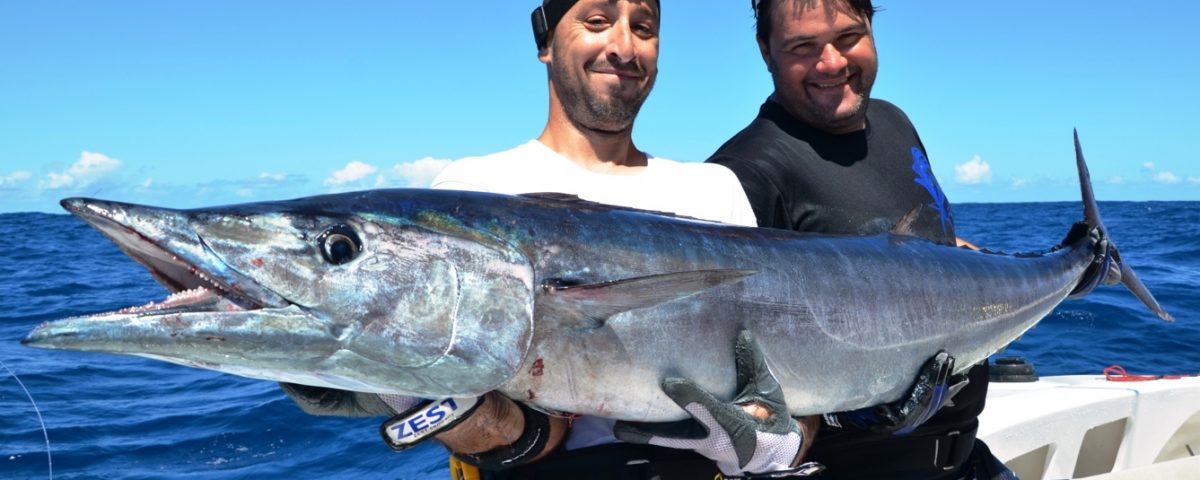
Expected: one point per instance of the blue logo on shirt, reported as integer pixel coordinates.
(925, 179)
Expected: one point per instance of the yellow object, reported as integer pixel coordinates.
(460, 470)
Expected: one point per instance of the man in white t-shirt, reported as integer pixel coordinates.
(601, 58)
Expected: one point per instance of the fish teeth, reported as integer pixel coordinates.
(212, 282)
(181, 297)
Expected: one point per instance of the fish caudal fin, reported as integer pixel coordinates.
(1112, 267)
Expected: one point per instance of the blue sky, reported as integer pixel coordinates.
(190, 103)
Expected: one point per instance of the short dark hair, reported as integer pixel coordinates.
(764, 8)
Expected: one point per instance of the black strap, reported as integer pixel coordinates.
(925, 456)
(808, 469)
(614, 461)
(546, 17)
(531, 443)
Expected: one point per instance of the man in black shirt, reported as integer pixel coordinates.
(822, 156)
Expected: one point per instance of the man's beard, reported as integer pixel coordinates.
(829, 119)
(587, 109)
(796, 101)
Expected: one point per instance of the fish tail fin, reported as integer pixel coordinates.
(1109, 267)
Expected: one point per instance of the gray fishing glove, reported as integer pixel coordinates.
(739, 443)
(934, 388)
(329, 402)
(412, 419)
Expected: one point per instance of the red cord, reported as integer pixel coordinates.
(1116, 373)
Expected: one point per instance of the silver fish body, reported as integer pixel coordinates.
(567, 305)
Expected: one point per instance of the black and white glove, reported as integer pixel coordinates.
(412, 419)
(740, 444)
(934, 388)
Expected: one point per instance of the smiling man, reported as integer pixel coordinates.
(823, 156)
(601, 59)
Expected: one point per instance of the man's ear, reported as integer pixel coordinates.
(765, 50)
(544, 54)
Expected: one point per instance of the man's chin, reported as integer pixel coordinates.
(850, 115)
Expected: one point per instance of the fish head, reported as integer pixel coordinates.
(336, 291)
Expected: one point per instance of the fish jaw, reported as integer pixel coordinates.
(252, 298)
(198, 328)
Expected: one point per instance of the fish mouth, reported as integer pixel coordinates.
(178, 257)
(199, 283)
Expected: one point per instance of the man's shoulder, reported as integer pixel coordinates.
(478, 172)
(499, 159)
(882, 110)
(883, 105)
(750, 143)
(692, 168)
(709, 173)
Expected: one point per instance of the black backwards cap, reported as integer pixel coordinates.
(547, 16)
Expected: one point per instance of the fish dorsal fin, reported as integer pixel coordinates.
(904, 226)
(595, 303)
(556, 196)
(576, 202)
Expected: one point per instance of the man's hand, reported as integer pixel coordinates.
(491, 430)
(751, 435)
(934, 387)
(323, 401)
(412, 419)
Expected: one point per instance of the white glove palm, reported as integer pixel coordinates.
(740, 443)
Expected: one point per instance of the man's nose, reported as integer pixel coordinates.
(621, 43)
(831, 60)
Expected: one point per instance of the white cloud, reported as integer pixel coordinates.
(274, 177)
(1117, 180)
(89, 168)
(1165, 177)
(1194, 180)
(1020, 182)
(353, 172)
(15, 178)
(419, 173)
(1160, 177)
(973, 172)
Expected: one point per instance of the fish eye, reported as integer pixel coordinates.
(339, 244)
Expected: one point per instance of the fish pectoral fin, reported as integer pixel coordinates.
(597, 302)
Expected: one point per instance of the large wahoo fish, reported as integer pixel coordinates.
(568, 305)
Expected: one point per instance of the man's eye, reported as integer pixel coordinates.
(596, 22)
(849, 40)
(804, 49)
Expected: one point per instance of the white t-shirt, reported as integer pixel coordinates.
(700, 190)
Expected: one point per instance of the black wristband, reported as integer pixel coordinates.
(533, 439)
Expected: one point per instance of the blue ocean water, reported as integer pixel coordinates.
(119, 417)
